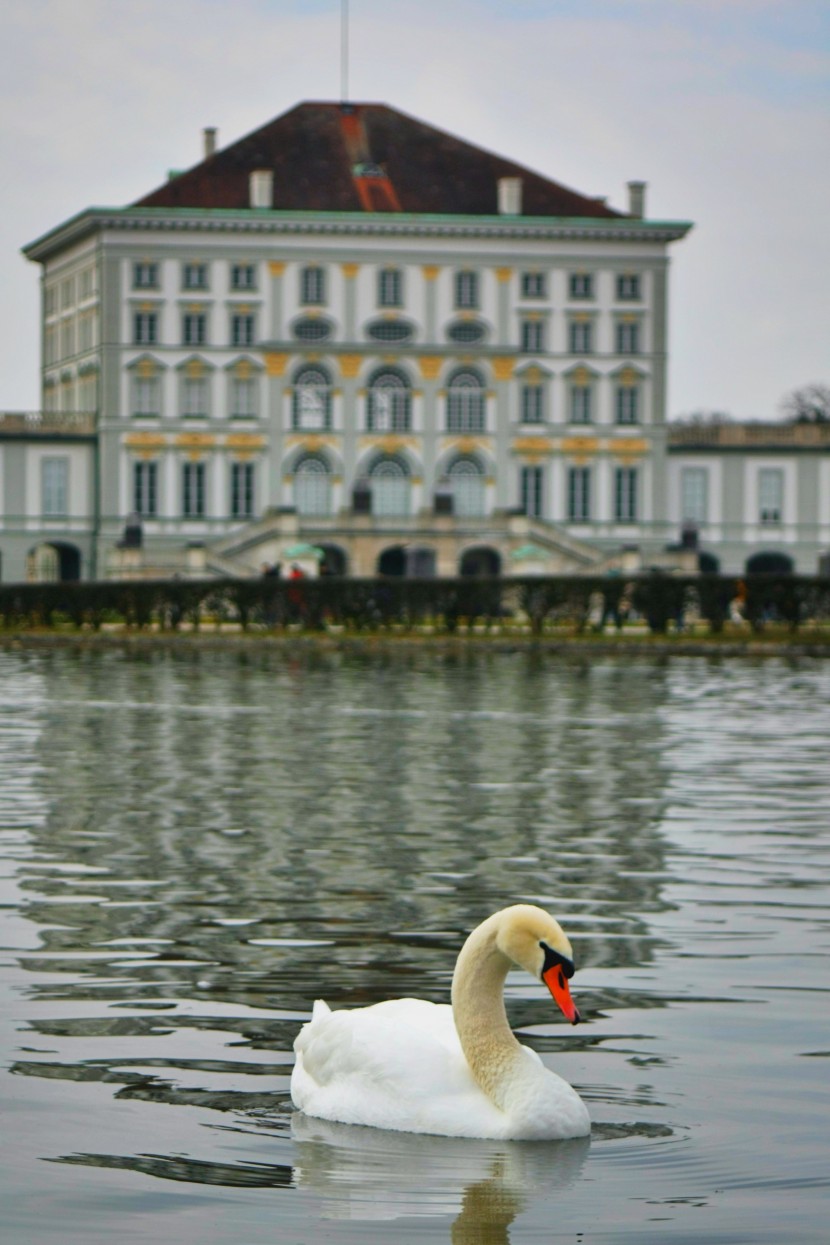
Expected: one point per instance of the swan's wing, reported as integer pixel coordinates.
(395, 1065)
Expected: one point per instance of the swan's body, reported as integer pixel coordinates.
(455, 1071)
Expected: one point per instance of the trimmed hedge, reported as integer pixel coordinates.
(581, 602)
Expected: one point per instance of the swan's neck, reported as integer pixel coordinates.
(478, 1008)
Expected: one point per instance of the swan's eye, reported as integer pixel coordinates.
(554, 958)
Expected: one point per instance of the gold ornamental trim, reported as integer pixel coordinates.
(579, 445)
(533, 445)
(580, 376)
(275, 364)
(629, 447)
(389, 442)
(350, 365)
(350, 270)
(467, 445)
(244, 441)
(430, 366)
(430, 271)
(276, 267)
(503, 275)
(145, 440)
(503, 368)
(312, 443)
(196, 441)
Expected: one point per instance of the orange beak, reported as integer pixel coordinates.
(557, 983)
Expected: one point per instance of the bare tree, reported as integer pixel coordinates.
(808, 405)
(703, 417)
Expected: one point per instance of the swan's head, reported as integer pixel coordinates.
(535, 941)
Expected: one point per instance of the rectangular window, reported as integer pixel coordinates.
(581, 285)
(466, 289)
(55, 486)
(533, 285)
(533, 336)
(67, 339)
(194, 328)
(628, 286)
(628, 404)
(533, 404)
(145, 328)
(243, 398)
(145, 276)
(770, 494)
(313, 286)
(145, 489)
(628, 338)
(194, 398)
(194, 277)
(193, 490)
(581, 336)
(625, 494)
(579, 493)
(532, 484)
(694, 490)
(242, 490)
(581, 403)
(390, 287)
(86, 326)
(242, 329)
(243, 277)
(146, 396)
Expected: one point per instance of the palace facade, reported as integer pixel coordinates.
(355, 341)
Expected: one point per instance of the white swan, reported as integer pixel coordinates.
(457, 1071)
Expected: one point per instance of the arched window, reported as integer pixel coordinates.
(390, 487)
(465, 403)
(312, 400)
(467, 483)
(389, 403)
(312, 485)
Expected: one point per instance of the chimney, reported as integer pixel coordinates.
(209, 135)
(637, 199)
(510, 196)
(261, 188)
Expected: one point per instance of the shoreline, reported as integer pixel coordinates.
(605, 645)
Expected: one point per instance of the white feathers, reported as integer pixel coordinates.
(401, 1065)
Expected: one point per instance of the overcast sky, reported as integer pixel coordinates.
(720, 105)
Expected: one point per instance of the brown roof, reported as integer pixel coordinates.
(330, 157)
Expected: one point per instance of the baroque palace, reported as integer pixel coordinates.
(357, 343)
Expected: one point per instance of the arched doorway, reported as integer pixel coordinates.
(334, 561)
(481, 561)
(420, 563)
(390, 484)
(312, 485)
(466, 480)
(392, 561)
(768, 562)
(53, 562)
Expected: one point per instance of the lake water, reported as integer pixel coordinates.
(196, 845)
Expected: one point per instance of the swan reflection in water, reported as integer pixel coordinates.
(371, 1174)
(350, 1172)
